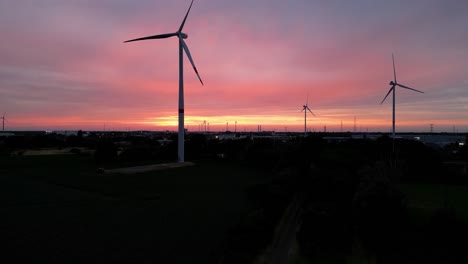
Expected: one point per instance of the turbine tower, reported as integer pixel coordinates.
(3, 122)
(393, 84)
(306, 108)
(182, 47)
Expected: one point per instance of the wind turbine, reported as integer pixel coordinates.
(394, 83)
(3, 121)
(182, 47)
(306, 108)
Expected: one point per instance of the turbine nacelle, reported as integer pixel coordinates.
(181, 37)
(394, 85)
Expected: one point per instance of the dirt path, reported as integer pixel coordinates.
(282, 250)
(153, 167)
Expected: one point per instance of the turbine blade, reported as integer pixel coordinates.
(391, 88)
(302, 109)
(190, 58)
(161, 36)
(310, 111)
(394, 71)
(402, 86)
(185, 18)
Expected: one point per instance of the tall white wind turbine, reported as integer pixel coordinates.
(182, 47)
(394, 83)
(306, 108)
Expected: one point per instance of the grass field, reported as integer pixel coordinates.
(57, 209)
(428, 197)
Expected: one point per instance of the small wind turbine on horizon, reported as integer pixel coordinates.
(393, 84)
(182, 47)
(3, 121)
(306, 108)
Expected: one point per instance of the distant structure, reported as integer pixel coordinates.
(354, 124)
(235, 127)
(341, 129)
(306, 108)
(393, 84)
(431, 128)
(182, 47)
(3, 121)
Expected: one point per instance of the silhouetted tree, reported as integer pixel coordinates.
(195, 146)
(420, 162)
(168, 152)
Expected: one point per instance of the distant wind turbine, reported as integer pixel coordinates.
(394, 83)
(3, 121)
(182, 47)
(306, 108)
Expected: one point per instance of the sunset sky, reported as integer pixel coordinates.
(64, 66)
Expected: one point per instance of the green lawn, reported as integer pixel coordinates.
(56, 208)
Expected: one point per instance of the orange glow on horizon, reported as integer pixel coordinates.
(89, 79)
(291, 123)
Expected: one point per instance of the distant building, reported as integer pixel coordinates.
(65, 132)
(6, 134)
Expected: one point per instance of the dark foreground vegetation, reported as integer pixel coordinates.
(347, 201)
